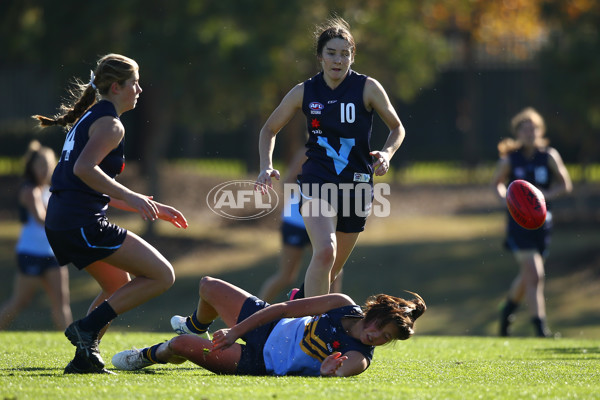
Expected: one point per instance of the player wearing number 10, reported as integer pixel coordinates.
(338, 104)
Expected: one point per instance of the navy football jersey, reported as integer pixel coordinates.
(339, 128)
(534, 170)
(74, 204)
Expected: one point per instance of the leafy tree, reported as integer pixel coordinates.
(573, 81)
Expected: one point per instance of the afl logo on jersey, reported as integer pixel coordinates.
(315, 107)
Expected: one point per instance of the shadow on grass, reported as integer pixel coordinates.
(31, 371)
(570, 353)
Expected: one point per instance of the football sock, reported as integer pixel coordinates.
(506, 316)
(98, 318)
(149, 353)
(509, 308)
(540, 327)
(196, 326)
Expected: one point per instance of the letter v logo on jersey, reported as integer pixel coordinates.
(340, 160)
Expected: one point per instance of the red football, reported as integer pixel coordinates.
(526, 204)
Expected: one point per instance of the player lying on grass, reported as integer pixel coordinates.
(325, 335)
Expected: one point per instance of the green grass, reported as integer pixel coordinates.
(424, 367)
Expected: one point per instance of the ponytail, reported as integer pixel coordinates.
(111, 68)
(71, 113)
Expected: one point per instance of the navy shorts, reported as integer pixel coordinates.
(294, 235)
(252, 361)
(519, 238)
(85, 245)
(31, 265)
(352, 210)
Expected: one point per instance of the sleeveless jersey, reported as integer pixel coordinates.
(534, 170)
(298, 346)
(32, 240)
(74, 204)
(339, 128)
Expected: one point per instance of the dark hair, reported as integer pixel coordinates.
(110, 68)
(335, 27)
(384, 309)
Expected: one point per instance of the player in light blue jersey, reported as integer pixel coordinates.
(338, 104)
(326, 335)
(36, 261)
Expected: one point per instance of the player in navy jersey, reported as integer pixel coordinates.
(529, 158)
(327, 335)
(83, 185)
(338, 104)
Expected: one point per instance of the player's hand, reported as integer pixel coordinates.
(382, 162)
(223, 338)
(332, 363)
(144, 205)
(172, 215)
(263, 182)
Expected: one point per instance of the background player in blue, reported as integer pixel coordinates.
(529, 158)
(327, 335)
(83, 185)
(338, 104)
(36, 261)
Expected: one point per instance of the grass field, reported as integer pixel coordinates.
(424, 367)
(443, 242)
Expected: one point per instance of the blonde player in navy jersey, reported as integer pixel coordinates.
(529, 158)
(338, 104)
(83, 185)
(327, 335)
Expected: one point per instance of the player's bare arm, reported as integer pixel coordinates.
(353, 363)
(290, 104)
(501, 176)
(562, 183)
(375, 98)
(289, 309)
(105, 135)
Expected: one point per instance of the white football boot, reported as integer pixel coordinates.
(130, 360)
(179, 326)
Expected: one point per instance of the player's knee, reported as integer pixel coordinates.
(186, 345)
(207, 286)
(177, 345)
(166, 278)
(325, 256)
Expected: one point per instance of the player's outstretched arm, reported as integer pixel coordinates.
(290, 309)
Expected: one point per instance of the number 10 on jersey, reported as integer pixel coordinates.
(347, 113)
